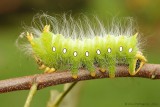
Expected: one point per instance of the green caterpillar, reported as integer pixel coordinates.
(55, 51)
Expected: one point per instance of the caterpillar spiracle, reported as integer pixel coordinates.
(71, 44)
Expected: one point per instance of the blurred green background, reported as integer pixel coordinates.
(118, 92)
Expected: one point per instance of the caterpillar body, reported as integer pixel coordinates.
(54, 51)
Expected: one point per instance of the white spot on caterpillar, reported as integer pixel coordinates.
(87, 53)
(53, 49)
(98, 52)
(109, 50)
(130, 50)
(75, 53)
(120, 48)
(64, 50)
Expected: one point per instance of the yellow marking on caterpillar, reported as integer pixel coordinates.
(49, 70)
(30, 38)
(46, 28)
(93, 74)
(102, 70)
(42, 67)
(74, 76)
(136, 35)
(111, 75)
(46, 70)
(52, 70)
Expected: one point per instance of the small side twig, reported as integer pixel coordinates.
(30, 95)
(59, 99)
(151, 71)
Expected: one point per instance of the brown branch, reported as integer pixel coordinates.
(151, 71)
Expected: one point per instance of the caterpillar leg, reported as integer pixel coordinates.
(112, 68)
(91, 69)
(49, 70)
(102, 65)
(136, 64)
(43, 67)
(74, 73)
(102, 69)
(74, 70)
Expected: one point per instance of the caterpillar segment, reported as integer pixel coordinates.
(59, 52)
(38, 60)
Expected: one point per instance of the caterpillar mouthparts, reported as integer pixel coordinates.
(54, 51)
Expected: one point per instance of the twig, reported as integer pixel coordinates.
(62, 95)
(151, 71)
(30, 95)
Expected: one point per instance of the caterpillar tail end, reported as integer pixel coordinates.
(137, 63)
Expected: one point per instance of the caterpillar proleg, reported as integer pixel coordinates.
(66, 43)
